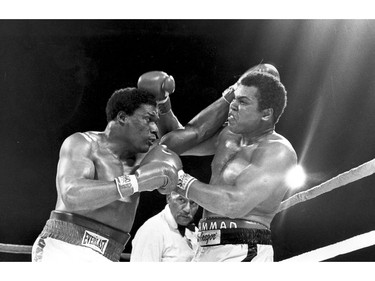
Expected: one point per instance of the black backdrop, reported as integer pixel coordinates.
(56, 76)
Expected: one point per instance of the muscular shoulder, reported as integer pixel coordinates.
(227, 135)
(79, 143)
(277, 148)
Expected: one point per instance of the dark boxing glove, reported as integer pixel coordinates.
(161, 85)
(264, 67)
(161, 154)
(228, 94)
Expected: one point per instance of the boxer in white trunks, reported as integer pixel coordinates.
(249, 169)
(100, 175)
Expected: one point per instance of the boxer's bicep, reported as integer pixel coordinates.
(207, 147)
(168, 122)
(74, 163)
(187, 142)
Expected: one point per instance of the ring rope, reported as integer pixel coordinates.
(346, 246)
(25, 249)
(364, 170)
(15, 249)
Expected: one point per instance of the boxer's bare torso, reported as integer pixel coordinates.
(235, 160)
(91, 154)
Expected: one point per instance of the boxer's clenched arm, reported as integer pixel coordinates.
(75, 178)
(203, 126)
(207, 147)
(261, 182)
(79, 190)
(210, 120)
(168, 122)
(161, 85)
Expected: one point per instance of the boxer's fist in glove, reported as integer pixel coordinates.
(228, 94)
(264, 67)
(157, 175)
(161, 153)
(158, 83)
(148, 177)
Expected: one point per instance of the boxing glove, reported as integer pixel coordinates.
(264, 67)
(148, 177)
(161, 153)
(158, 83)
(228, 94)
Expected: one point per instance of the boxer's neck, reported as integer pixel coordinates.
(116, 145)
(257, 137)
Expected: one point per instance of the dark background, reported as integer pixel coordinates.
(56, 76)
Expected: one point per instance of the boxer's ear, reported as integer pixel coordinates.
(267, 114)
(121, 117)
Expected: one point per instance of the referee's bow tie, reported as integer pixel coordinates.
(181, 228)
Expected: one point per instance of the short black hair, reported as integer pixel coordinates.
(272, 93)
(127, 100)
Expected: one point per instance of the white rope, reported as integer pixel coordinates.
(15, 249)
(346, 246)
(25, 249)
(352, 175)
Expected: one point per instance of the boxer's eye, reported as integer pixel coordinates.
(181, 200)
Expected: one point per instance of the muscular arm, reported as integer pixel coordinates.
(76, 185)
(263, 179)
(168, 122)
(203, 126)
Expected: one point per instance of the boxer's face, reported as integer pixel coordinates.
(182, 209)
(142, 128)
(244, 116)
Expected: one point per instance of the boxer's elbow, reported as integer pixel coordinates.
(70, 200)
(70, 196)
(180, 140)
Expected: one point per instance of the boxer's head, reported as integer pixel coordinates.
(183, 210)
(128, 100)
(134, 116)
(271, 92)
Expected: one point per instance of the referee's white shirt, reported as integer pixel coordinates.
(158, 240)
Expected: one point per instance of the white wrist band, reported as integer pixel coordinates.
(229, 91)
(225, 99)
(188, 187)
(126, 182)
(118, 188)
(185, 181)
(164, 100)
